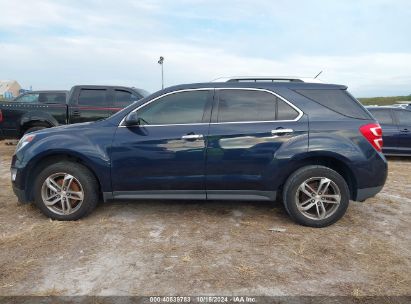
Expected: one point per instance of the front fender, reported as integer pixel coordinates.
(91, 146)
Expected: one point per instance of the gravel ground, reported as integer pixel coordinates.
(207, 248)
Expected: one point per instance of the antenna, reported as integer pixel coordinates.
(318, 74)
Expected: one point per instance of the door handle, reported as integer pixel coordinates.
(281, 131)
(75, 113)
(405, 130)
(192, 136)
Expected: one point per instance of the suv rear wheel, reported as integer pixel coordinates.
(316, 196)
(66, 191)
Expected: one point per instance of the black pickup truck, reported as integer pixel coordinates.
(37, 110)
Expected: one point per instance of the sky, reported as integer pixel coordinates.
(364, 44)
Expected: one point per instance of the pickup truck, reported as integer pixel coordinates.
(36, 110)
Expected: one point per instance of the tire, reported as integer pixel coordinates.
(83, 191)
(34, 128)
(326, 208)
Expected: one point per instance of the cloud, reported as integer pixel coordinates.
(56, 44)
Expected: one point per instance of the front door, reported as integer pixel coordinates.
(248, 128)
(165, 155)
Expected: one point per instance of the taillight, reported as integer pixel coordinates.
(1, 116)
(373, 133)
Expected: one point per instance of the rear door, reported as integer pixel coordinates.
(92, 104)
(390, 132)
(249, 127)
(404, 126)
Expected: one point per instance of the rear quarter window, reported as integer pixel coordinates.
(337, 100)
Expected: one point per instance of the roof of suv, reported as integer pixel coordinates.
(261, 85)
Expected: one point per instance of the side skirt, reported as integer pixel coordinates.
(243, 195)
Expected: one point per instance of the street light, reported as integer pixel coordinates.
(161, 62)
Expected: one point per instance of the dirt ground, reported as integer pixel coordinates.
(207, 248)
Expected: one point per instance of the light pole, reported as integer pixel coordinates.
(161, 62)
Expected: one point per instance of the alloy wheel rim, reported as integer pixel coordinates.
(62, 193)
(318, 198)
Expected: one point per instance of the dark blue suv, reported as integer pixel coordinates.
(310, 145)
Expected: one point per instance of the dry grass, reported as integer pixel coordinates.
(207, 248)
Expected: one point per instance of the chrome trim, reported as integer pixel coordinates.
(281, 131)
(192, 136)
(300, 113)
(273, 78)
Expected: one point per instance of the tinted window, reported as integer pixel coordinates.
(92, 97)
(382, 116)
(285, 111)
(52, 97)
(337, 100)
(123, 98)
(142, 92)
(28, 98)
(404, 117)
(243, 105)
(177, 108)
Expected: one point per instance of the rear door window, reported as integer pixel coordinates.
(93, 97)
(337, 100)
(383, 117)
(250, 105)
(285, 111)
(124, 98)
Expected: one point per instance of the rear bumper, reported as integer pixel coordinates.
(363, 194)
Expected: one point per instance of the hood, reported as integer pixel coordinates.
(73, 127)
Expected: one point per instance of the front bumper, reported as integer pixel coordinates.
(21, 195)
(18, 184)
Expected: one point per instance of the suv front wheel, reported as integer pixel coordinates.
(316, 196)
(66, 191)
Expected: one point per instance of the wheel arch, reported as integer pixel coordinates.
(33, 123)
(332, 161)
(39, 164)
(35, 117)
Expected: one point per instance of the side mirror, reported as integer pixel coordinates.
(132, 119)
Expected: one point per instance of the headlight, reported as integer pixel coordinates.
(25, 140)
